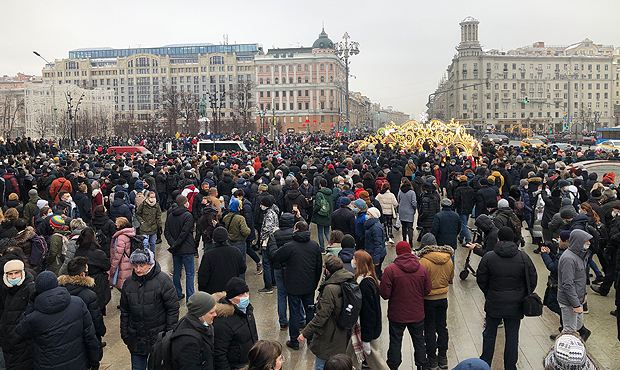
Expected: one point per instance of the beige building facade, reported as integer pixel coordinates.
(539, 88)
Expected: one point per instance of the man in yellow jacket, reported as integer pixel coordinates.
(437, 260)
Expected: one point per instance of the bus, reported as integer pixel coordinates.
(607, 133)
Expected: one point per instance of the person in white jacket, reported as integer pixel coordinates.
(389, 205)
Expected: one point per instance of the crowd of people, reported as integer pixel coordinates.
(78, 224)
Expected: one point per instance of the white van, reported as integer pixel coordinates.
(221, 145)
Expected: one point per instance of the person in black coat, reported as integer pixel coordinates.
(219, 264)
(119, 207)
(234, 327)
(105, 227)
(343, 218)
(279, 238)
(486, 197)
(489, 234)
(149, 305)
(79, 284)
(84, 204)
(446, 225)
(193, 344)
(61, 328)
(98, 265)
(294, 198)
(303, 270)
(428, 206)
(179, 234)
(464, 202)
(17, 290)
(502, 278)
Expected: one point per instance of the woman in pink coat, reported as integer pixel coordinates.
(120, 250)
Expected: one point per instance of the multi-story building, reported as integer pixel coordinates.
(300, 88)
(360, 111)
(538, 88)
(142, 79)
(389, 115)
(616, 87)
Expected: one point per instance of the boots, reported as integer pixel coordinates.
(584, 333)
(431, 363)
(442, 361)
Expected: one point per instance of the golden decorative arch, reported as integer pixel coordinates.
(413, 135)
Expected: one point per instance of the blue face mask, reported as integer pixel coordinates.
(15, 281)
(243, 303)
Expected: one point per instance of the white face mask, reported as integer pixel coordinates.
(586, 245)
(615, 213)
(353, 264)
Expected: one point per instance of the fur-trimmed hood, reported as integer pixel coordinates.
(25, 235)
(85, 281)
(223, 308)
(439, 255)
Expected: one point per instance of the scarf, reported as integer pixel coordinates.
(148, 201)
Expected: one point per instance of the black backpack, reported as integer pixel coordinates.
(137, 242)
(351, 305)
(102, 239)
(161, 357)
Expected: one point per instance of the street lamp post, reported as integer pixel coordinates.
(53, 91)
(345, 49)
(72, 113)
(216, 102)
(261, 119)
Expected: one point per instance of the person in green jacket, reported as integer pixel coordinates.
(149, 215)
(58, 239)
(328, 338)
(322, 212)
(31, 209)
(238, 229)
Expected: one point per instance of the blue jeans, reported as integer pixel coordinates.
(323, 232)
(465, 233)
(267, 272)
(183, 261)
(240, 245)
(139, 362)
(319, 364)
(299, 306)
(151, 240)
(279, 275)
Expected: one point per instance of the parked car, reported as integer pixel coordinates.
(495, 139)
(542, 138)
(561, 146)
(609, 145)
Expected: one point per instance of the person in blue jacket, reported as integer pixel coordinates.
(374, 239)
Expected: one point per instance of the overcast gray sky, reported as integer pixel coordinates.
(405, 45)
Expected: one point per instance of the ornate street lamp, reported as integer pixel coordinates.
(345, 49)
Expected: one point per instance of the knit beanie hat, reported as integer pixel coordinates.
(45, 281)
(348, 241)
(428, 239)
(236, 286)
(568, 213)
(505, 234)
(564, 235)
(361, 205)
(374, 212)
(566, 202)
(503, 203)
(32, 193)
(57, 222)
(220, 235)
(200, 303)
(141, 257)
(267, 202)
(42, 203)
(569, 353)
(402, 247)
(472, 364)
(344, 201)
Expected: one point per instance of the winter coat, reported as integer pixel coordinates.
(316, 218)
(192, 351)
(120, 251)
(82, 287)
(343, 219)
(107, 227)
(295, 197)
(149, 305)
(405, 283)
(438, 263)
(374, 240)
(270, 223)
(388, 203)
(62, 332)
(119, 208)
(14, 300)
(98, 269)
(31, 210)
(573, 270)
(71, 247)
(179, 231)
(55, 258)
(149, 217)
(237, 227)
(370, 314)
(428, 207)
(281, 236)
(446, 227)
(489, 230)
(464, 199)
(84, 207)
(58, 185)
(218, 265)
(7, 229)
(235, 333)
(407, 205)
(303, 264)
(486, 197)
(327, 338)
(501, 277)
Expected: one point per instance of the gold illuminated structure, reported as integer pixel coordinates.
(413, 135)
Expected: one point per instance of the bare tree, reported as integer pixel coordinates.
(243, 104)
(189, 111)
(13, 108)
(43, 126)
(171, 109)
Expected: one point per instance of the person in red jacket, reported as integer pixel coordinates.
(404, 284)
